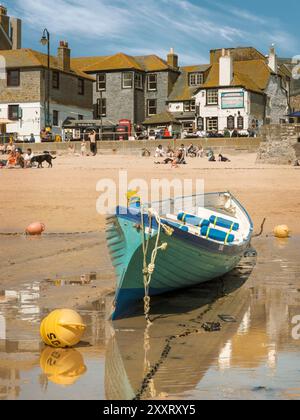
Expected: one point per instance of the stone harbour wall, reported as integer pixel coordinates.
(219, 145)
(280, 144)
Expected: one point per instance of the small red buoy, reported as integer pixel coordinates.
(36, 228)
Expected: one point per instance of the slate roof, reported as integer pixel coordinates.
(163, 118)
(253, 75)
(121, 61)
(182, 91)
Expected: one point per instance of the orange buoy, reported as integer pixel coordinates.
(282, 231)
(36, 228)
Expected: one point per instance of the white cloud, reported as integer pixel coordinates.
(108, 26)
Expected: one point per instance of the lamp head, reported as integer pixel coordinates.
(44, 40)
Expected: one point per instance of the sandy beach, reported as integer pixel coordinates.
(64, 198)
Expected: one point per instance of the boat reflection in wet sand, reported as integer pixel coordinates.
(171, 357)
(174, 243)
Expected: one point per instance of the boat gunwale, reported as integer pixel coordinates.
(133, 215)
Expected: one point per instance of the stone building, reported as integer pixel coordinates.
(243, 91)
(10, 31)
(133, 88)
(239, 89)
(23, 91)
(294, 67)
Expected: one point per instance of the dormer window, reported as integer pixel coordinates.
(196, 79)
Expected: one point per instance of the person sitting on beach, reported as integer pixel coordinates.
(11, 161)
(192, 150)
(159, 152)
(20, 163)
(170, 152)
(200, 152)
(27, 158)
(211, 157)
(179, 159)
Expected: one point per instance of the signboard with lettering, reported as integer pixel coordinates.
(233, 100)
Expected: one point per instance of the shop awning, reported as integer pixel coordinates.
(295, 115)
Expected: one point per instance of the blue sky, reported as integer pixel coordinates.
(138, 27)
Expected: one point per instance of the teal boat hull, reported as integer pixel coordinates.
(186, 262)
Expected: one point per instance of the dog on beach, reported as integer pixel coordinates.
(223, 158)
(43, 158)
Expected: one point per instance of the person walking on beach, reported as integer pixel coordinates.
(83, 148)
(93, 141)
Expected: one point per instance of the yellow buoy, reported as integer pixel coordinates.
(282, 231)
(62, 366)
(62, 328)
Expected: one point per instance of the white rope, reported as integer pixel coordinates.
(149, 268)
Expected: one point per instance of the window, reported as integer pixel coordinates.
(212, 124)
(80, 117)
(189, 106)
(186, 106)
(240, 123)
(151, 107)
(80, 86)
(138, 80)
(212, 97)
(230, 122)
(13, 78)
(196, 79)
(101, 107)
(101, 82)
(13, 112)
(55, 118)
(152, 82)
(127, 82)
(55, 80)
(188, 126)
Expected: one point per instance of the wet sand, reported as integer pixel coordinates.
(252, 357)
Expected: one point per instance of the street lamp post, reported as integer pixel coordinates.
(45, 40)
(101, 115)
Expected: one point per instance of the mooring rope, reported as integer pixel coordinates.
(149, 268)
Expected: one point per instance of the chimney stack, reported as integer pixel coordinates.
(172, 59)
(64, 56)
(16, 33)
(273, 63)
(226, 68)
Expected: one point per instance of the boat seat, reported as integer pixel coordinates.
(224, 223)
(217, 235)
